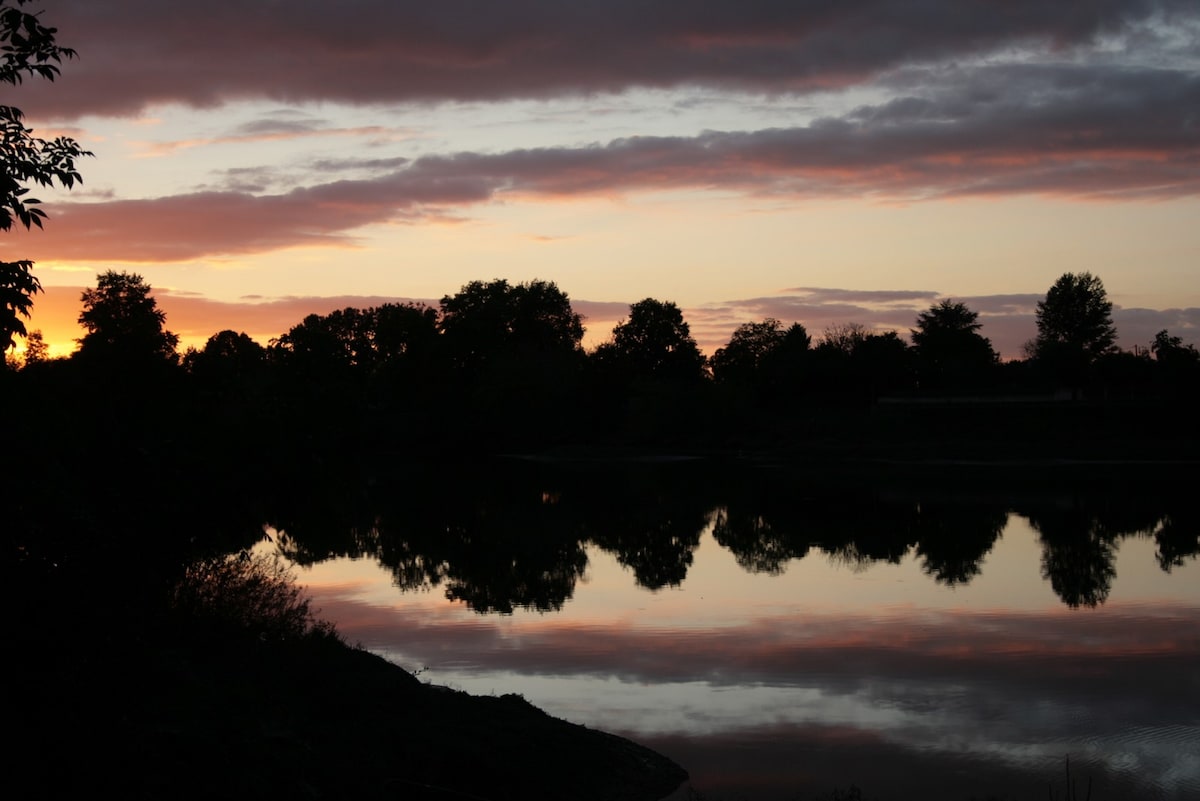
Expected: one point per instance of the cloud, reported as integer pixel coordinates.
(140, 52)
(1130, 134)
(784, 697)
(1011, 653)
(1138, 326)
(259, 131)
(826, 294)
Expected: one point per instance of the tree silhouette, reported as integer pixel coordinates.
(749, 348)
(511, 359)
(227, 349)
(1078, 554)
(358, 342)
(759, 375)
(489, 320)
(950, 351)
(649, 377)
(326, 348)
(18, 285)
(1177, 365)
(757, 545)
(1075, 327)
(1170, 349)
(853, 363)
(27, 48)
(36, 349)
(953, 538)
(654, 342)
(124, 324)
(229, 364)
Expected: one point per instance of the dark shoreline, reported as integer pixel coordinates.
(303, 720)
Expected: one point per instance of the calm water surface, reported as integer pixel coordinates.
(779, 670)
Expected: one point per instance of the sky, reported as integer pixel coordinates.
(814, 161)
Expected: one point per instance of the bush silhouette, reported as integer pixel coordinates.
(242, 597)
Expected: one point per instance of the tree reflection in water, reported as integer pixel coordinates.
(504, 535)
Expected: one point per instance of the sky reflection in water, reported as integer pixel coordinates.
(768, 686)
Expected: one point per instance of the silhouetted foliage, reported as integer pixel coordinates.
(649, 376)
(1178, 537)
(356, 340)
(511, 362)
(750, 347)
(761, 372)
(18, 285)
(1078, 554)
(353, 371)
(851, 363)
(228, 393)
(843, 338)
(951, 354)
(1074, 325)
(953, 539)
(1122, 375)
(1171, 350)
(243, 596)
(228, 358)
(752, 536)
(1178, 365)
(654, 343)
(492, 320)
(651, 523)
(36, 349)
(125, 327)
(27, 48)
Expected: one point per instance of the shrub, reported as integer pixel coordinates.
(244, 596)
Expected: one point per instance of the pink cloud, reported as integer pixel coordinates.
(829, 159)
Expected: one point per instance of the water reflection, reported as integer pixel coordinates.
(781, 634)
(800, 682)
(504, 538)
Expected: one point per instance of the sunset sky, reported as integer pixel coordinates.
(825, 162)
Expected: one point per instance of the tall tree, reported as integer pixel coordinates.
(228, 357)
(484, 321)
(654, 342)
(350, 351)
(1168, 349)
(749, 348)
(1177, 364)
(950, 351)
(514, 359)
(36, 349)
(124, 324)
(649, 378)
(27, 48)
(761, 369)
(851, 362)
(1074, 323)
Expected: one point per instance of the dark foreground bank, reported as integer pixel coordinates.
(308, 720)
(130, 681)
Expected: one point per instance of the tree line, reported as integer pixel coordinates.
(502, 364)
